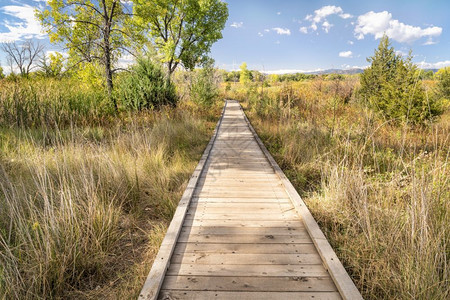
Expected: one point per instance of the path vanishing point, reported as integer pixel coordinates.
(241, 231)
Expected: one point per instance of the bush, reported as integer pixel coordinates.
(444, 82)
(390, 87)
(204, 88)
(146, 87)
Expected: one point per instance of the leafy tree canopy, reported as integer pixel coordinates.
(182, 31)
(91, 30)
(245, 76)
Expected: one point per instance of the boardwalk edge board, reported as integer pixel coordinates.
(342, 280)
(161, 264)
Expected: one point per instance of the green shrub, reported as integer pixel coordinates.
(444, 82)
(391, 87)
(146, 87)
(204, 88)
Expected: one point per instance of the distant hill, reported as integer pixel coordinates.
(338, 71)
(347, 71)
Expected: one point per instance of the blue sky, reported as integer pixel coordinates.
(280, 36)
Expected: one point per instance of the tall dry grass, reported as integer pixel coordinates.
(84, 201)
(380, 192)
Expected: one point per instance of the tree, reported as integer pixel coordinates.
(92, 31)
(146, 87)
(204, 87)
(244, 74)
(1, 73)
(443, 85)
(381, 71)
(391, 86)
(182, 31)
(22, 56)
(53, 66)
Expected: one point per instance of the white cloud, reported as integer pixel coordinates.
(347, 54)
(50, 52)
(350, 42)
(237, 24)
(345, 16)
(401, 53)
(429, 42)
(279, 13)
(321, 14)
(28, 27)
(125, 61)
(303, 30)
(260, 34)
(381, 23)
(277, 42)
(436, 65)
(282, 31)
(326, 26)
(266, 30)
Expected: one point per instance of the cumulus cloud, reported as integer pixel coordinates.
(303, 30)
(380, 23)
(347, 54)
(326, 26)
(23, 25)
(320, 17)
(436, 65)
(237, 24)
(282, 31)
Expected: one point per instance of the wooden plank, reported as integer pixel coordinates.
(241, 194)
(236, 181)
(244, 223)
(246, 259)
(219, 295)
(244, 205)
(243, 230)
(244, 248)
(156, 275)
(250, 284)
(248, 217)
(245, 238)
(241, 237)
(247, 271)
(337, 271)
(239, 210)
(240, 200)
(250, 190)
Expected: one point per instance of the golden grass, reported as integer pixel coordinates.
(84, 206)
(379, 192)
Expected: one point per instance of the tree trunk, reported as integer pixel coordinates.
(108, 70)
(107, 48)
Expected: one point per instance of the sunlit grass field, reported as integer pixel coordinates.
(379, 190)
(85, 193)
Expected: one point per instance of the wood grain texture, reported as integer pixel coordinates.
(219, 295)
(241, 233)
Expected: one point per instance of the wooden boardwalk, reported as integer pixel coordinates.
(242, 232)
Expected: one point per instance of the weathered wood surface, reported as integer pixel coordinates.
(243, 233)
